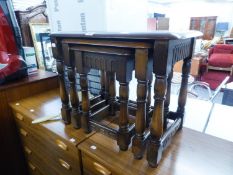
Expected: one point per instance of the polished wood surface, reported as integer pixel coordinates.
(10, 149)
(121, 53)
(50, 146)
(190, 152)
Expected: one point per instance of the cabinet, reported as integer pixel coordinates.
(50, 147)
(10, 147)
(190, 151)
(204, 24)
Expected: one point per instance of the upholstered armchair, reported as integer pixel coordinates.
(219, 65)
(221, 58)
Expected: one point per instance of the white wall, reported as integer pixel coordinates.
(180, 12)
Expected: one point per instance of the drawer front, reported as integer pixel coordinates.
(38, 162)
(45, 134)
(50, 149)
(21, 119)
(33, 169)
(93, 167)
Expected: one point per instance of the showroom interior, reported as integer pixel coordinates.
(116, 87)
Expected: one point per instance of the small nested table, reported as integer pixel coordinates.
(116, 55)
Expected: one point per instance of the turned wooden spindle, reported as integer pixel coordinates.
(85, 103)
(123, 137)
(148, 100)
(102, 83)
(167, 100)
(112, 92)
(82, 70)
(65, 110)
(154, 149)
(183, 89)
(141, 63)
(58, 55)
(160, 68)
(106, 92)
(69, 62)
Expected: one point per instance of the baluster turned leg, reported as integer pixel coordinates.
(75, 114)
(69, 61)
(123, 138)
(85, 103)
(65, 110)
(148, 101)
(141, 61)
(167, 101)
(102, 83)
(183, 89)
(154, 149)
(112, 92)
(107, 76)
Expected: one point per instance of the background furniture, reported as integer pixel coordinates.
(11, 151)
(31, 15)
(197, 60)
(220, 64)
(50, 147)
(204, 24)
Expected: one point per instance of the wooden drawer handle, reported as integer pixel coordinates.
(27, 150)
(61, 144)
(32, 166)
(101, 169)
(23, 132)
(64, 164)
(19, 116)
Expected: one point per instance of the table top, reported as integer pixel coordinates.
(162, 35)
(45, 105)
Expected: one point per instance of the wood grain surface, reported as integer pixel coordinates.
(190, 153)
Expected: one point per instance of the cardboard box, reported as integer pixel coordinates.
(97, 15)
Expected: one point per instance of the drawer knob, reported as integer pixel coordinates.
(101, 169)
(64, 164)
(27, 150)
(23, 132)
(32, 166)
(61, 144)
(19, 116)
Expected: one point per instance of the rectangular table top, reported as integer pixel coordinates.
(160, 35)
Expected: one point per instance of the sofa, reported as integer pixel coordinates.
(219, 65)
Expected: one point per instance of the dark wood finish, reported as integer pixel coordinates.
(50, 146)
(139, 140)
(112, 93)
(190, 152)
(65, 109)
(122, 53)
(74, 99)
(35, 14)
(11, 150)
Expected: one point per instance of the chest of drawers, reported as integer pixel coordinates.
(50, 147)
